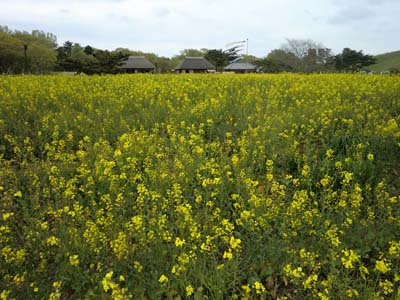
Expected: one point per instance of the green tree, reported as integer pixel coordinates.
(307, 55)
(40, 46)
(72, 57)
(217, 57)
(249, 58)
(63, 52)
(318, 60)
(278, 61)
(353, 61)
(109, 61)
(11, 54)
(192, 52)
(163, 64)
(40, 50)
(88, 50)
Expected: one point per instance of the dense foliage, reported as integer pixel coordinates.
(200, 187)
(351, 60)
(39, 55)
(74, 58)
(38, 52)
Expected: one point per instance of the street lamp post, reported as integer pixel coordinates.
(26, 69)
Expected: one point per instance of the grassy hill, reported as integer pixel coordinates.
(386, 61)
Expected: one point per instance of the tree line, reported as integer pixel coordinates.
(38, 52)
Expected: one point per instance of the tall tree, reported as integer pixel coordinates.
(318, 60)
(278, 61)
(38, 46)
(72, 57)
(310, 56)
(248, 58)
(88, 50)
(11, 54)
(300, 47)
(217, 57)
(192, 52)
(352, 60)
(106, 62)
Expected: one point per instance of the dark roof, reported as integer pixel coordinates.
(195, 63)
(240, 66)
(137, 62)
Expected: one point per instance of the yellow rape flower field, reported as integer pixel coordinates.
(200, 187)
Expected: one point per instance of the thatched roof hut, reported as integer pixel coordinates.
(194, 65)
(241, 67)
(137, 64)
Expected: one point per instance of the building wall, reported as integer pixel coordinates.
(191, 71)
(130, 71)
(242, 71)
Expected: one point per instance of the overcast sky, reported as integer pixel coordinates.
(167, 26)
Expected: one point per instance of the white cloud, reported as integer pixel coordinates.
(168, 26)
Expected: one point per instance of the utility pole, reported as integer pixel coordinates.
(247, 46)
(26, 69)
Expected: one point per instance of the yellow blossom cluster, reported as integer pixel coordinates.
(200, 187)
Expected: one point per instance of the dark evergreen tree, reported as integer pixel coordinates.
(353, 61)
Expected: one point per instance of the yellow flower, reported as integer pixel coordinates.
(52, 241)
(120, 246)
(189, 290)
(74, 260)
(138, 266)
(246, 288)
(235, 160)
(364, 271)
(234, 243)
(6, 216)
(18, 194)
(324, 181)
(298, 272)
(305, 171)
(179, 242)
(394, 248)
(387, 287)
(324, 295)
(310, 281)
(347, 177)
(107, 282)
(349, 258)
(227, 255)
(4, 294)
(295, 273)
(270, 177)
(269, 163)
(382, 266)
(260, 289)
(163, 279)
(332, 236)
(352, 293)
(329, 153)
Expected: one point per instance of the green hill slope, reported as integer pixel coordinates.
(386, 61)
